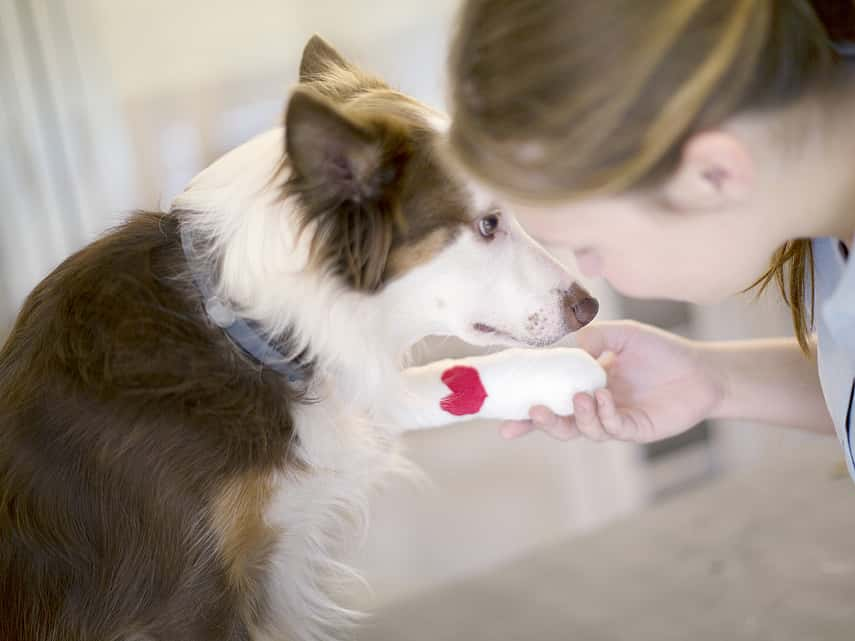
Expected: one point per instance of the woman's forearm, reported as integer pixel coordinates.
(769, 381)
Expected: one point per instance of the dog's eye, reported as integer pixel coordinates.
(487, 225)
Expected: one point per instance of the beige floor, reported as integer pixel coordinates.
(765, 555)
(488, 501)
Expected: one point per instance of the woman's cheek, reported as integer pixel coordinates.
(634, 276)
(590, 263)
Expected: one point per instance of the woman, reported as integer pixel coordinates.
(675, 145)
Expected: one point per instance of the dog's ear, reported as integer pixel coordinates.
(348, 175)
(349, 160)
(319, 57)
(332, 75)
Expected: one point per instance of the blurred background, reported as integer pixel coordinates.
(112, 105)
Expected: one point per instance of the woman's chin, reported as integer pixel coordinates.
(700, 296)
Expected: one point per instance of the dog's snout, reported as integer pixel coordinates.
(580, 308)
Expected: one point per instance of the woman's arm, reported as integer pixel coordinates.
(770, 381)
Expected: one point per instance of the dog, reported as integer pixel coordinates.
(194, 408)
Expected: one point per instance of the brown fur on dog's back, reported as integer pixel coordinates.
(130, 429)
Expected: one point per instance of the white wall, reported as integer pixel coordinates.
(195, 78)
(162, 46)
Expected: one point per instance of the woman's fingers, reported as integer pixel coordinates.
(561, 427)
(542, 416)
(610, 419)
(515, 429)
(587, 420)
(595, 417)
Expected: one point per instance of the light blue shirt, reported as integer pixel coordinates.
(834, 281)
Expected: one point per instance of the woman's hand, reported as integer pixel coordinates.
(659, 385)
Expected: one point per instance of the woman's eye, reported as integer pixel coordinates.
(487, 225)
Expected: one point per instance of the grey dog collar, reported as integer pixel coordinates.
(245, 333)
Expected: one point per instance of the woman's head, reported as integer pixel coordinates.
(646, 122)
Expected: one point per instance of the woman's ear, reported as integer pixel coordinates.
(716, 170)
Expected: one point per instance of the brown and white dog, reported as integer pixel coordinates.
(160, 479)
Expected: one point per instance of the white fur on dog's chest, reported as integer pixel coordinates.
(321, 512)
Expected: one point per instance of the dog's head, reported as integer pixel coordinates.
(391, 221)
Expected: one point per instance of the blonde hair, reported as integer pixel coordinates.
(560, 99)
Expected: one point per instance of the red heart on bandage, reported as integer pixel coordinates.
(467, 392)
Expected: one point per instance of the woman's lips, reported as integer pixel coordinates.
(589, 261)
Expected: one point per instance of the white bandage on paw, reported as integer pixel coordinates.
(501, 386)
(518, 379)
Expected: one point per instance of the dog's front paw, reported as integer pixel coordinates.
(507, 384)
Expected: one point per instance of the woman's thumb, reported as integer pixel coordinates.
(607, 336)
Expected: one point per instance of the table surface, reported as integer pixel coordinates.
(764, 555)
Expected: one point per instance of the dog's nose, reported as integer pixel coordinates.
(580, 308)
(586, 310)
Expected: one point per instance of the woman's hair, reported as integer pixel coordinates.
(561, 99)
